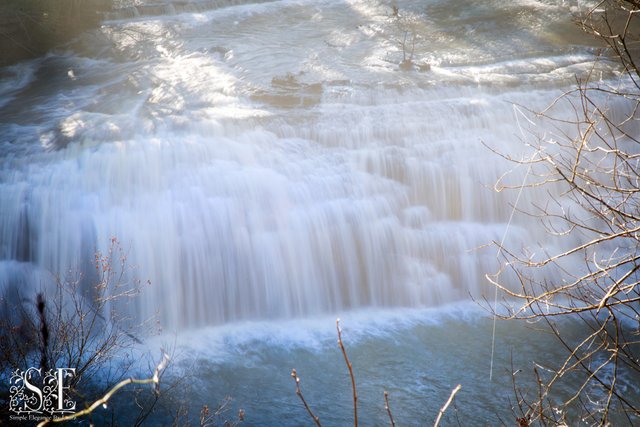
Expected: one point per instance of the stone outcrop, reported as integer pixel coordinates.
(29, 28)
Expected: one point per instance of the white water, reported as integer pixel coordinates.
(271, 160)
(268, 166)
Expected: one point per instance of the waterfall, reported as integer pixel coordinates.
(271, 160)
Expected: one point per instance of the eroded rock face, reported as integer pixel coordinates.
(29, 28)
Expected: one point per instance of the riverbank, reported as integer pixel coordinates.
(30, 28)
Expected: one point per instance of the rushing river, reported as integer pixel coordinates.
(269, 166)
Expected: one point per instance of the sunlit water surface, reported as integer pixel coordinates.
(269, 166)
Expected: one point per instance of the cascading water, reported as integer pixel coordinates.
(264, 161)
(272, 160)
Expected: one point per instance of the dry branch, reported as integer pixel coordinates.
(155, 380)
(316, 420)
(388, 409)
(446, 405)
(353, 380)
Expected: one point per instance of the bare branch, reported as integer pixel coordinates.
(353, 380)
(446, 405)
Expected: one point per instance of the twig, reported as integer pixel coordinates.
(386, 406)
(446, 405)
(294, 374)
(353, 380)
(104, 399)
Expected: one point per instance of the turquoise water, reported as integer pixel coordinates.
(270, 166)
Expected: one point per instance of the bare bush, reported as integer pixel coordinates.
(74, 326)
(590, 166)
(79, 323)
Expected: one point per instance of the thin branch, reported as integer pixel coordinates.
(296, 379)
(155, 380)
(446, 405)
(388, 408)
(353, 380)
